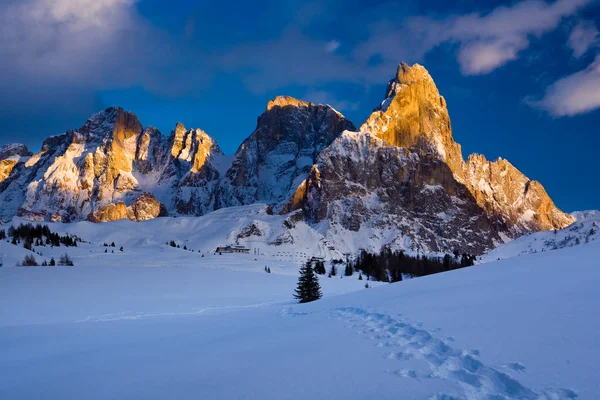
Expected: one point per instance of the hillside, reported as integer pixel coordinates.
(167, 323)
(585, 230)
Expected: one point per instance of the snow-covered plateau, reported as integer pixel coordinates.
(160, 322)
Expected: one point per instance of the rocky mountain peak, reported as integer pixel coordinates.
(194, 146)
(14, 150)
(286, 101)
(10, 155)
(114, 122)
(406, 74)
(414, 116)
(281, 151)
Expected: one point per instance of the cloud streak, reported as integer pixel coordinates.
(489, 41)
(583, 37)
(572, 95)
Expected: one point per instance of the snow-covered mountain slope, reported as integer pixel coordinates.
(277, 237)
(585, 230)
(160, 326)
(581, 215)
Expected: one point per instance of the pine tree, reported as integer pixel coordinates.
(52, 262)
(348, 271)
(308, 285)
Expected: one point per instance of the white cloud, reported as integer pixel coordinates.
(66, 50)
(583, 37)
(481, 58)
(488, 41)
(574, 94)
(332, 46)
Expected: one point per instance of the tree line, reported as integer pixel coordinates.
(389, 266)
(37, 235)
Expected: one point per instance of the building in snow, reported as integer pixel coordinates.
(233, 249)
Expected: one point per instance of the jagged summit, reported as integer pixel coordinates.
(286, 101)
(271, 163)
(14, 149)
(406, 74)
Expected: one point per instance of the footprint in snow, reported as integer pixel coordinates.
(476, 379)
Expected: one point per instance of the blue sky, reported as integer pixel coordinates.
(521, 78)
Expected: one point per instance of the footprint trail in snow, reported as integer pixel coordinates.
(409, 341)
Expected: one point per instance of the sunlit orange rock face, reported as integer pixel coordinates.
(144, 207)
(414, 116)
(509, 196)
(6, 167)
(10, 156)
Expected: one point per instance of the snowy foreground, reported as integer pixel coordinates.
(154, 322)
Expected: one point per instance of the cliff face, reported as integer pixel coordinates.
(279, 154)
(414, 116)
(10, 156)
(513, 202)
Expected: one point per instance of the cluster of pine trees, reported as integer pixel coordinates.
(389, 266)
(38, 235)
(30, 261)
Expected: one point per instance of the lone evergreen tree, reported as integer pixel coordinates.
(308, 285)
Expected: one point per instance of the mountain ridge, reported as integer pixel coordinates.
(401, 175)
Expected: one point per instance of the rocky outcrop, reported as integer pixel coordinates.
(109, 212)
(511, 200)
(10, 156)
(195, 169)
(279, 154)
(144, 207)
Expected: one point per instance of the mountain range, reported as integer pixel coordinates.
(400, 178)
